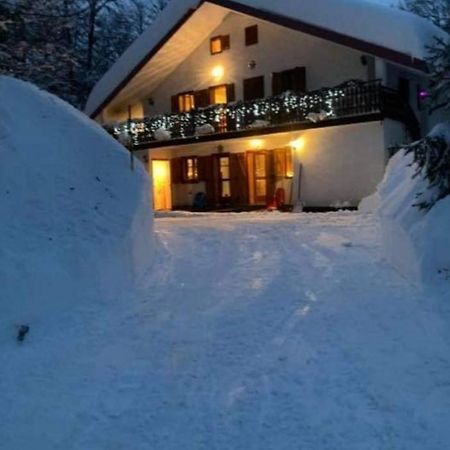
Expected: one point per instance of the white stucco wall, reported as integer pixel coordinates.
(342, 164)
(339, 164)
(327, 64)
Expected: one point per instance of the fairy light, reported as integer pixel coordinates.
(288, 107)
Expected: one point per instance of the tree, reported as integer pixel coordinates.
(65, 46)
(438, 11)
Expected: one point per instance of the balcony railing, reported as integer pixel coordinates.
(352, 98)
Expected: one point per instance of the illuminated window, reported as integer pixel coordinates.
(225, 185)
(186, 102)
(190, 169)
(218, 95)
(218, 44)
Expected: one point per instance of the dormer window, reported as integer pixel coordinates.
(218, 44)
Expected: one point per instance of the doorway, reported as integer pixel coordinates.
(162, 193)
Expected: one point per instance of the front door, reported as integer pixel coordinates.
(162, 194)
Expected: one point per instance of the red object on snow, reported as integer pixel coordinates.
(277, 202)
(280, 198)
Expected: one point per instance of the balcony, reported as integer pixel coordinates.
(350, 101)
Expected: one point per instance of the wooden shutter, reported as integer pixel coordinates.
(280, 162)
(254, 88)
(176, 170)
(201, 98)
(289, 80)
(277, 84)
(238, 179)
(207, 174)
(225, 42)
(231, 94)
(175, 104)
(298, 82)
(271, 179)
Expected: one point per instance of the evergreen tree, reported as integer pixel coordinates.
(65, 46)
(438, 11)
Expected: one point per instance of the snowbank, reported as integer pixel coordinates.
(75, 221)
(416, 242)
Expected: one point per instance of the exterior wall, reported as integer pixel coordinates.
(121, 115)
(327, 64)
(340, 164)
(395, 135)
(417, 82)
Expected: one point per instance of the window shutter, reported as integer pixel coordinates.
(280, 162)
(299, 79)
(175, 104)
(270, 176)
(254, 88)
(231, 95)
(238, 179)
(225, 42)
(277, 84)
(176, 170)
(208, 174)
(201, 98)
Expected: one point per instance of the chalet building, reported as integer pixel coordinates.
(244, 104)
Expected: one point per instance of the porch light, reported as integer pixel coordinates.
(298, 144)
(218, 72)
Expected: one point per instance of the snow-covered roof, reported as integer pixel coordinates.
(377, 29)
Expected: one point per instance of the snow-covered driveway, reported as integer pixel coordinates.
(253, 332)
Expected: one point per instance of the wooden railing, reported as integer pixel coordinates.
(353, 98)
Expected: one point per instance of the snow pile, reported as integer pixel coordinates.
(75, 221)
(416, 242)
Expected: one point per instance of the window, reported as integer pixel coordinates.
(224, 168)
(289, 80)
(186, 102)
(190, 169)
(218, 94)
(218, 44)
(253, 88)
(251, 35)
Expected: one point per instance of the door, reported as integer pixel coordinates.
(261, 182)
(162, 193)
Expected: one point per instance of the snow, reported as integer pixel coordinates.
(367, 21)
(74, 219)
(252, 331)
(416, 242)
(262, 331)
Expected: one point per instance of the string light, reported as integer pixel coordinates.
(289, 107)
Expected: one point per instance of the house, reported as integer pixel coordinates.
(233, 104)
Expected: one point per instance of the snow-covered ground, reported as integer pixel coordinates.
(251, 331)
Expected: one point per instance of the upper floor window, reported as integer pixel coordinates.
(218, 44)
(289, 80)
(186, 102)
(218, 94)
(251, 35)
(253, 88)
